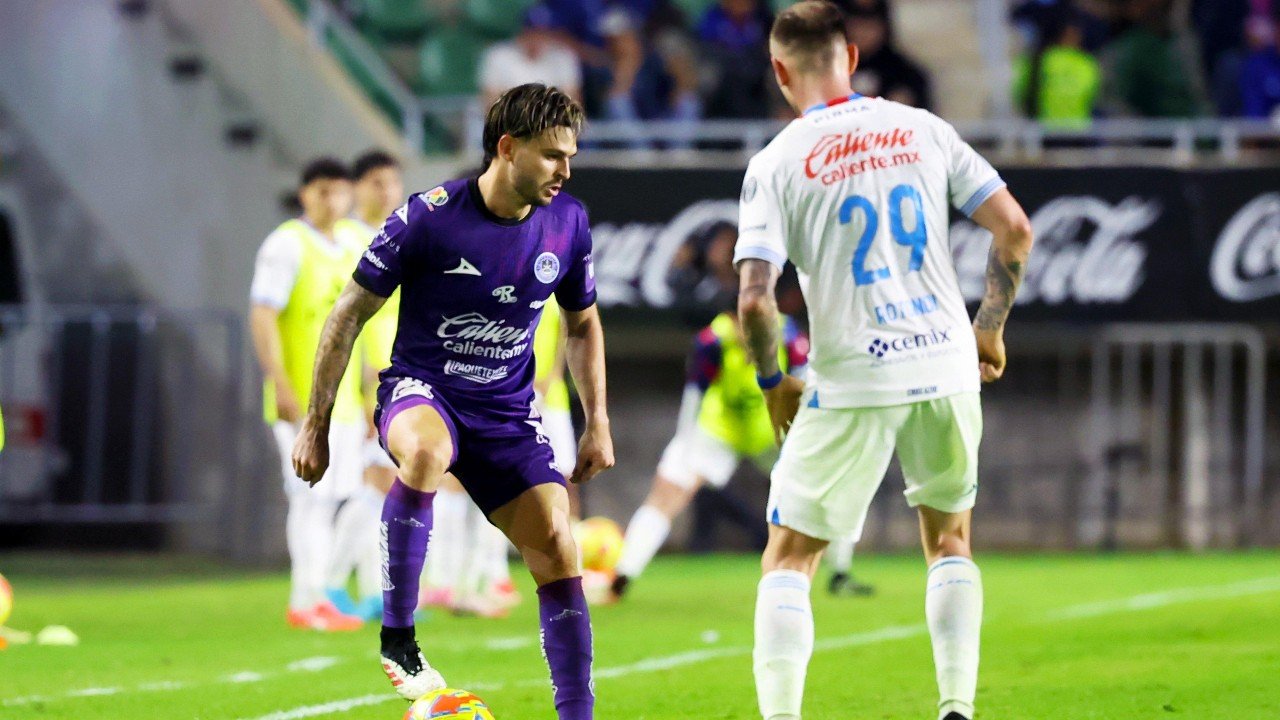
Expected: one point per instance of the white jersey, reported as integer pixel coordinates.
(855, 194)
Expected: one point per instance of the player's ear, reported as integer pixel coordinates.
(506, 147)
(853, 59)
(779, 71)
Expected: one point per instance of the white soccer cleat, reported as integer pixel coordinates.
(410, 674)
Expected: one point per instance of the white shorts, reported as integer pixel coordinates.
(834, 459)
(346, 460)
(375, 456)
(558, 425)
(696, 454)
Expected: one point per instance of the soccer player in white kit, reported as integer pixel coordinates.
(855, 193)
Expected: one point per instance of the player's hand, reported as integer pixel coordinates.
(783, 401)
(990, 353)
(595, 453)
(288, 408)
(311, 452)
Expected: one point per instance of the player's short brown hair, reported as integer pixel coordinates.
(528, 110)
(805, 31)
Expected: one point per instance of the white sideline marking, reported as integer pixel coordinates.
(337, 706)
(517, 642)
(94, 692)
(314, 664)
(311, 664)
(892, 632)
(1168, 597)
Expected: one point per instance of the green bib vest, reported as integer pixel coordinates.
(733, 408)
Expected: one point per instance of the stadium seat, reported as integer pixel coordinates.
(496, 18)
(364, 78)
(390, 21)
(693, 10)
(448, 61)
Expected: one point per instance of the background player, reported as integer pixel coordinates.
(722, 422)
(476, 260)
(378, 183)
(855, 193)
(300, 271)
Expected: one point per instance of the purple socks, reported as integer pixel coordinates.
(406, 526)
(566, 644)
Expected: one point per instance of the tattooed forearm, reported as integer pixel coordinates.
(1004, 276)
(354, 307)
(758, 313)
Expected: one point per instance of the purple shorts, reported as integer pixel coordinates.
(496, 455)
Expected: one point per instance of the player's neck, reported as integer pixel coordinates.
(500, 199)
(820, 92)
(373, 217)
(325, 229)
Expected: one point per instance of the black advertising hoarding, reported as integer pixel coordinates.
(1236, 231)
(1148, 244)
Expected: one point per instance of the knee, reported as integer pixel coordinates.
(423, 461)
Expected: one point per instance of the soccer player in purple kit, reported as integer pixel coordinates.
(475, 260)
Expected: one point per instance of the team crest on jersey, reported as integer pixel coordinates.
(749, 190)
(435, 197)
(547, 267)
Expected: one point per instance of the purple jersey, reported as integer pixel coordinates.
(472, 288)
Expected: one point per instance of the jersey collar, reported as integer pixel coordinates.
(830, 103)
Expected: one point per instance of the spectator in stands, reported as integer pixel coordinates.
(1152, 72)
(1260, 78)
(882, 70)
(1057, 81)
(638, 59)
(1218, 26)
(735, 40)
(534, 55)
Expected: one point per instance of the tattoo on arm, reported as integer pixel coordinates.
(1004, 275)
(354, 307)
(758, 313)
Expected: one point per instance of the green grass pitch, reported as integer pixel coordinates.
(1066, 636)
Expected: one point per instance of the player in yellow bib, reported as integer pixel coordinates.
(379, 189)
(299, 273)
(722, 423)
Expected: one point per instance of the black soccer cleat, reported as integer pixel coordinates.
(953, 715)
(618, 587)
(845, 584)
(405, 666)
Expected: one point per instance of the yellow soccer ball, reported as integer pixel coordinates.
(448, 704)
(599, 543)
(6, 600)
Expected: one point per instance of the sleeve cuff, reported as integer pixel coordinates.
(582, 304)
(980, 196)
(759, 252)
(368, 284)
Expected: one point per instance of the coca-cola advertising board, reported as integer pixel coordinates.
(1111, 243)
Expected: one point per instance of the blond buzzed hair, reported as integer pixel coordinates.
(805, 32)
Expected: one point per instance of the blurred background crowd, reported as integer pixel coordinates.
(683, 60)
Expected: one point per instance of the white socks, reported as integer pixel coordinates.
(355, 531)
(309, 535)
(784, 642)
(953, 609)
(646, 532)
(369, 560)
(840, 555)
(447, 548)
